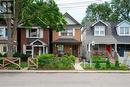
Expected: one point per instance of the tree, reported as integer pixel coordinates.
(98, 12)
(42, 13)
(121, 8)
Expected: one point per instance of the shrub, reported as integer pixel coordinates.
(108, 64)
(23, 57)
(49, 61)
(117, 65)
(45, 59)
(123, 67)
(97, 65)
(98, 59)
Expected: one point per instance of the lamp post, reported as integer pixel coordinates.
(93, 44)
(6, 12)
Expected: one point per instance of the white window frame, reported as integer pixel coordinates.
(73, 32)
(39, 33)
(124, 33)
(99, 29)
(4, 30)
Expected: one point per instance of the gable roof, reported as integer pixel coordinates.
(70, 17)
(124, 21)
(98, 22)
(37, 40)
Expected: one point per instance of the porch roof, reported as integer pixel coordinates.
(66, 41)
(101, 40)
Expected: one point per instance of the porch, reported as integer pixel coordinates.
(35, 48)
(66, 46)
(105, 50)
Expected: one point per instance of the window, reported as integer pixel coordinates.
(29, 50)
(2, 32)
(4, 49)
(67, 32)
(99, 31)
(34, 33)
(124, 31)
(61, 49)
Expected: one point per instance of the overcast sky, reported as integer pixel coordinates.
(76, 8)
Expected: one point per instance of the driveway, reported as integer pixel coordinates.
(64, 80)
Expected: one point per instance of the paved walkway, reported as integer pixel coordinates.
(77, 65)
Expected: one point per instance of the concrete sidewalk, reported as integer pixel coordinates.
(63, 71)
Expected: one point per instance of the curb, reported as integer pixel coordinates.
(61, 71)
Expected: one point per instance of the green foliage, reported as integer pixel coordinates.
(123, 67)
(23, 57)
(108, 64)
(43, 13)
(115, 11)
(49, 61)
(117, 65)
(100, 59)
(97, 65)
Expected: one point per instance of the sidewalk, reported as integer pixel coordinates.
(64, 71)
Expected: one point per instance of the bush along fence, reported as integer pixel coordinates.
(42, 62)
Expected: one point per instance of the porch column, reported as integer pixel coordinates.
(89, 50)
(115, 47)
(46, 49)
(43, 50)
(32, 51)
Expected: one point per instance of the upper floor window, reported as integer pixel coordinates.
(34, 33)
(3, 32)
(124, 31)
(99, 31)
(67, 32)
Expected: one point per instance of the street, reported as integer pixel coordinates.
(64, 80)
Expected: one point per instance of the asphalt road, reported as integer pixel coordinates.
(64, 80)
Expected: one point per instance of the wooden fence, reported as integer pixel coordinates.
(10, 60)
(32, 62)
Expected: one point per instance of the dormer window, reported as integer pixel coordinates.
(124, 31)
(99, 30)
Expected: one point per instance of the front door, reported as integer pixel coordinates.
(75, 50)
(121, 51)
(108, 48)
(37, 51)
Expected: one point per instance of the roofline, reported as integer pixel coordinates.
(99, 21)
(67, 14)
(122, 22)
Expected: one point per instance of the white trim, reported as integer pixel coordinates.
(73, 31)
(36, 41)
(24, 49)
(125, 21)
(59, 33)
(99, 21)
(99, 29)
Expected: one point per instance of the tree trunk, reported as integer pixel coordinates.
(10, 44)
(50, 48)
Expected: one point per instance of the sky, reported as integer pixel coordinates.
(76, 8)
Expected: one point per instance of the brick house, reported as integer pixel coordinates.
(3, 37)
(32, 41)
(69, 40)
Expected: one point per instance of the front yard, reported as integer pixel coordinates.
(100, 63)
